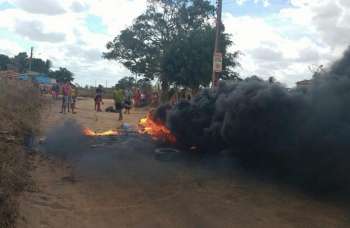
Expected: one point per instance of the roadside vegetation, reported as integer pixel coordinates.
(20, 105)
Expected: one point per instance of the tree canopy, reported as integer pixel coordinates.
(144, 84)
(126, 83)
(172, 41)
(21, 63)
(129, 82)
(62, 75)
(41, 66)
(4, 61)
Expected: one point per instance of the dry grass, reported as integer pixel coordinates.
(20, 106)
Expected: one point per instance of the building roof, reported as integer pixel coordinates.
(304, 83)
(10, 74)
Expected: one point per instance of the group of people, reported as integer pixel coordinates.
(123, 100)
(69, 96)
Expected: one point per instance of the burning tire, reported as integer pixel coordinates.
(167, 154)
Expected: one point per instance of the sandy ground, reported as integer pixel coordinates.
(124, 187)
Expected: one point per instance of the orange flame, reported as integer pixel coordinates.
(157, 130)
(89, 132)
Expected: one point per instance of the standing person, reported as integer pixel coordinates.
(73, 96)
(155, 99)
(137, 97)
(174, 97)
(143, 99)
(55, 90)
(69, 98)
(118, 97)
(66, 90)
(98, 99)
(42, 89)
(127, 101)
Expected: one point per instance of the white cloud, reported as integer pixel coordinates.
(311, 32)
(117, 15)
(329, 19)
(264, 2)
(79, 7)
(49, 7)
(268, 51)
(284, 45)
(9, 48)
(267, 54)
(34, 30)
(75, 47)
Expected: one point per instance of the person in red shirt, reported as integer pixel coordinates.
(137, 97)
(66, 90)
(98, 99)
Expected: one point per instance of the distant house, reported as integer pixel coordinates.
(24, 77)
(305, 84)
(39, 78)
(43, 79)
(9, 74)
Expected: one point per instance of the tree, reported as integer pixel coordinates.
(189, 60)
(62, 75)
(21, 62)
(126, 83)
(144, 84)
(172, 41)
(41, 66)
(4, 61)
(316, 70)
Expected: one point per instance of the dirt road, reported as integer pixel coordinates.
(118, 183)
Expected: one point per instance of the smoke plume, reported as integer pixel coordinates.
(301, 135)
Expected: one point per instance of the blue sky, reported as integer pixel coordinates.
(280, 38)
(23, 43)
(95, 24)
(6, 5)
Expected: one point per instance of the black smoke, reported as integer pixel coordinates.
(301, 135)
(66, 141)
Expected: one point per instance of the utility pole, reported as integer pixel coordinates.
(30, 59)
(217, 57)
